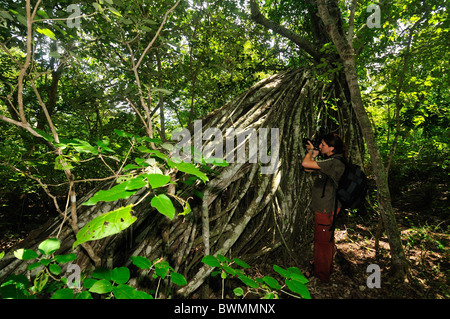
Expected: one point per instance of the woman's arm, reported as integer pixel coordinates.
(309, 163)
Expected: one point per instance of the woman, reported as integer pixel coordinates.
(327, 173)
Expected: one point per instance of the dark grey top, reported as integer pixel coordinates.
(330, 172)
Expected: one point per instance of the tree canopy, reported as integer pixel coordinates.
(88, 88)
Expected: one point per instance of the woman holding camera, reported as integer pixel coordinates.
(327, 173)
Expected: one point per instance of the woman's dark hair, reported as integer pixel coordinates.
(334, 140)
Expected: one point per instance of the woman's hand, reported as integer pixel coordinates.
(308, 162)
(310, 147)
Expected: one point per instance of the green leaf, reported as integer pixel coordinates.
(15, 287)
(282, 272)
(43, 14)
(13, 292)
(40, 281)
(238, 291)
(178, 279)
(191, 169)
(141, 262)
(161, 90)
(156, 153)
(131, 166)
(82, 146)
(2, 254)
(157, 180)
(101, 273)
(84, 295)
(55, 269)
(142, 295)
(89, 282)
(97, 7)
(65, 293)
(122, 133)
(6, 15)
(106, 225)
(151, 140)
(115, 193)
(19, 280)
(20, 17)
(215, 273)
(49, 246)
(47, 33)
(211, 261)
(223, 259)
(187, 209)
(299, 277)
(114, 10)
(25, 254)
(164, 205)
(102, 286)
(270, 295)
(45, 261)
(124, 292)
(34, 265)
(249, 282)
(198, 193)
(229, 270)
(298, 288)
(61, 163)
(120, 275)
(62, 259)
(216, 161)
(241, 263)
(272, 282)
(103, 144)
(135, 183)
(162, 269)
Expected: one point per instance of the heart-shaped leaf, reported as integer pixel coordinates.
(164, 205)
(106, 225)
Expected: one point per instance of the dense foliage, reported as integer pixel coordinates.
(99, 66)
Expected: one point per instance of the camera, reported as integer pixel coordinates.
(316, 139)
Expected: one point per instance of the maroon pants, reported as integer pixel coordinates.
(323, 245)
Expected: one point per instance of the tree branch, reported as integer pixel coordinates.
(21, 124)
(339, 41)
(156, 35)
(303, 43)
(351, 22)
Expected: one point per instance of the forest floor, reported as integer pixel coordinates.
(422, 212)
(423, 215)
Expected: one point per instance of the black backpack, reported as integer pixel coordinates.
(352, 187)
(350, 191)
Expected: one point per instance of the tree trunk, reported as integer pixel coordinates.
(329, 16)
(247, 213)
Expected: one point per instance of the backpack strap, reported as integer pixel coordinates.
(335, 207)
